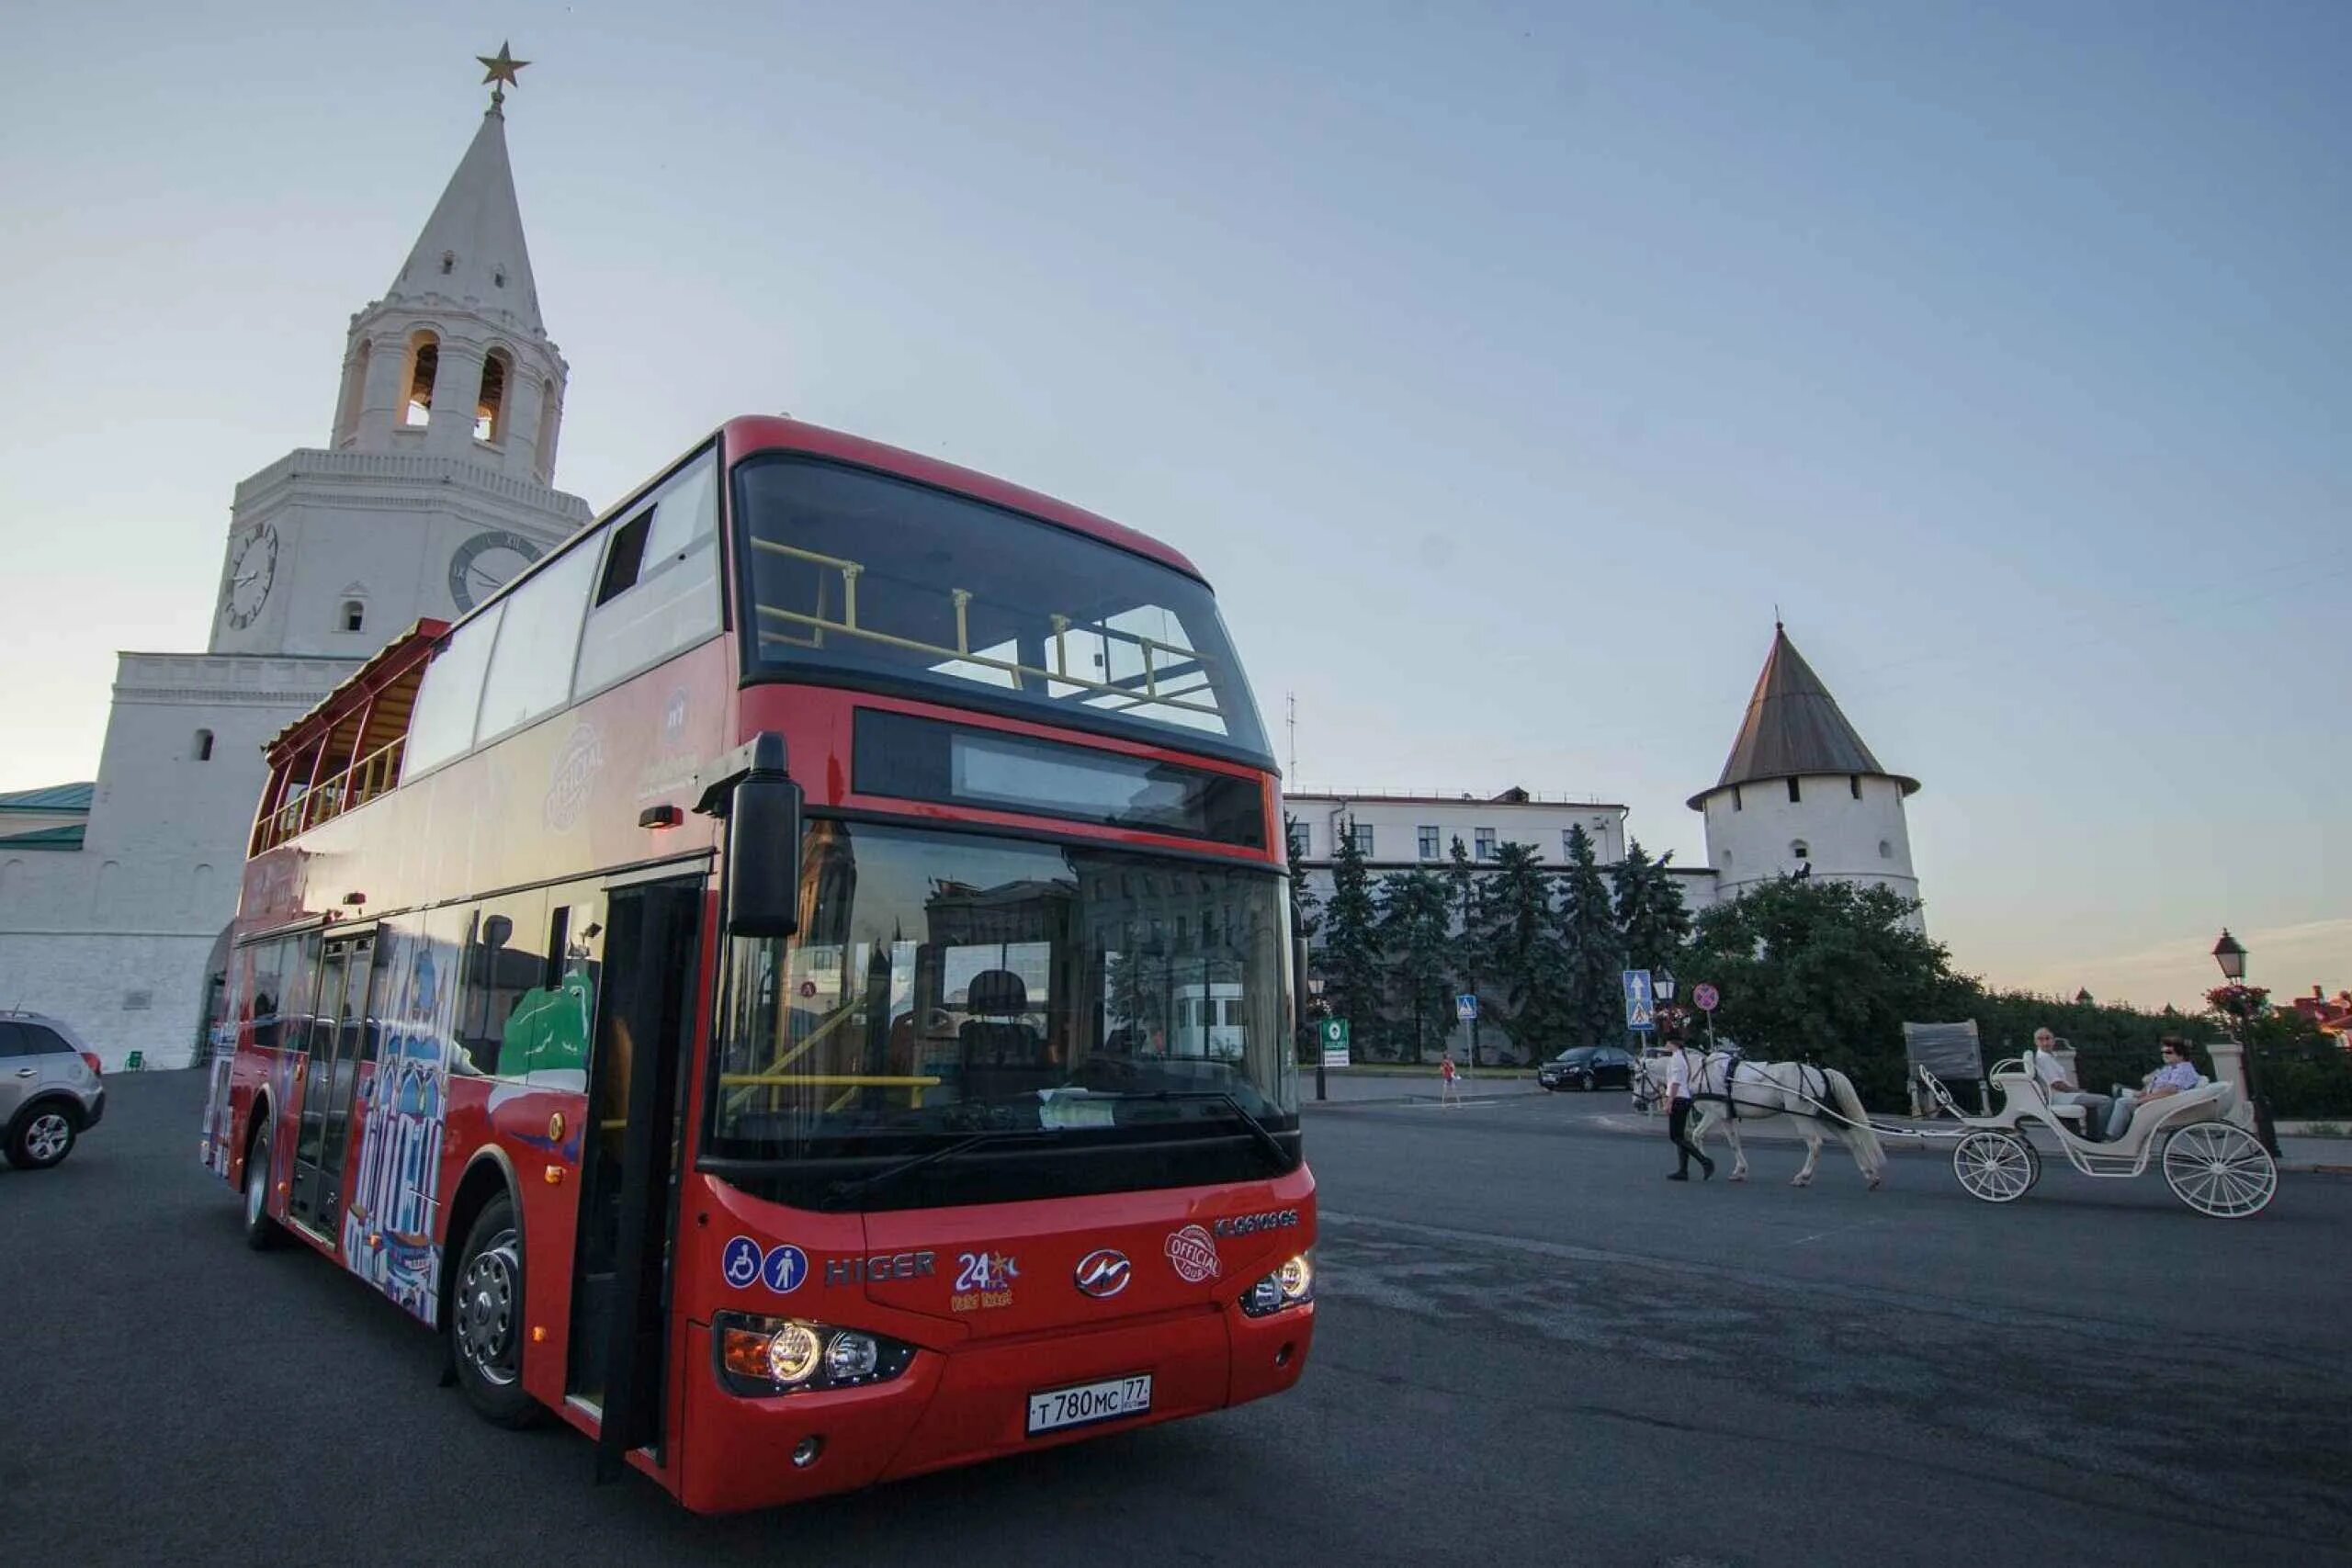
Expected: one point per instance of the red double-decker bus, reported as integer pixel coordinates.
(797, 983)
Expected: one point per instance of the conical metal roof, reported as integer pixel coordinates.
(472, 249)
(1795, 728)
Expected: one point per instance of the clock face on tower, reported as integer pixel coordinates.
(485, 563)
(252, 566)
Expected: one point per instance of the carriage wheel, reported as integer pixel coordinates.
(1999, 1168)
(2219, 1170)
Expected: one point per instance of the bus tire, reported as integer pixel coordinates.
(486, 1318)
(262, 1233)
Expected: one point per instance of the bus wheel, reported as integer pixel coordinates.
(486, 1318)
(261, 1230)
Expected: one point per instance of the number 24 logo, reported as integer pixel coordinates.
(984, 1271)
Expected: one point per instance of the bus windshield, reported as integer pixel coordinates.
(948, 983)
(855, 571)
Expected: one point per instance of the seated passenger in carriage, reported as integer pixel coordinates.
(2059, 1087)
(2177, 1074)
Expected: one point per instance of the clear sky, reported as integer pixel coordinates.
(1504, 365)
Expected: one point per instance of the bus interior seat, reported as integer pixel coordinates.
(1001, 1055)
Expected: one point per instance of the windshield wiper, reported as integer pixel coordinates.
(1240, 1112)
(839, 1191)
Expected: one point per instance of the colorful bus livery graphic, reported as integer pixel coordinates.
(388, 1229)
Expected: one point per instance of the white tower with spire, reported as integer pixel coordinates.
(448, 418)
(1800, 793)
(435, 487)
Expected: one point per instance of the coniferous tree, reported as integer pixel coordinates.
(1350, 956)
(1417, 930)
(1466, 958)
(1521, 946)
(1592, 952)
(1303, 901)
(1652, 924)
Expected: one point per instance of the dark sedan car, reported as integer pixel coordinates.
(1588, 1067)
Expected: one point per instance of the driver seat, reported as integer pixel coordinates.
(1001, 1055)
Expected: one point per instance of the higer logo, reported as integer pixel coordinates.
(1103, 1273)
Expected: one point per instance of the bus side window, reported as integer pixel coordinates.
(550, 1026)
(264, 984)
(657, 592)
(505, 962)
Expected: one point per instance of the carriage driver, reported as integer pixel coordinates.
(2061, 1088)
(1679, 1071)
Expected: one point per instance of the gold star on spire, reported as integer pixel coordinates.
(500, 69)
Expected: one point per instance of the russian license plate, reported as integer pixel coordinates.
(1106, 1401)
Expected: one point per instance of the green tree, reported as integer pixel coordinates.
(1350, 951)
(1828, 972)
(1140, 988)
(1519, 945)
(1462, 882)
(1652, 924)
(1303, 901)
(1592, 952)
(1417, 930)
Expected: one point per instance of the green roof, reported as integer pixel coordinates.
(66, 837)
(54, 797)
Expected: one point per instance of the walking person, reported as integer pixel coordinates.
(1678, 1114)
(1449, 1085)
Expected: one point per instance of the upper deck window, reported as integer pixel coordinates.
(859, 572)
(658, 589)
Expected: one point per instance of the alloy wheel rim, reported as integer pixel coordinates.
(47, 1137)
(486, 1308)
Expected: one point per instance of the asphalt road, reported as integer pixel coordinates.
(1532, 1349)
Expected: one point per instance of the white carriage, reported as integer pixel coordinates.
(2200, 1138)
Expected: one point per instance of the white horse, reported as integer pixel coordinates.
(1728, 1090)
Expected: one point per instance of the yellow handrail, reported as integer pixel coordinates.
(377, 773)
(1127, 695)
(852, 1082)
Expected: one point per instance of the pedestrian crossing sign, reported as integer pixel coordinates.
(1640, 1010)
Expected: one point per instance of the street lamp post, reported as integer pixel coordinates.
(1314, 989)
(2230, 954)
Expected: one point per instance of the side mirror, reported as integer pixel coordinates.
(762, 805)
(763, 857)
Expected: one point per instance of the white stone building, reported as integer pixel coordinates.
(434, 488)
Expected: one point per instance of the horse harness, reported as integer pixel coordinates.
(1809, 1075)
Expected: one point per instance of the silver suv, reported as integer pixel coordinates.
(49, 1089)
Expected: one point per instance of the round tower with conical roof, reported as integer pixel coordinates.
(1800, 793)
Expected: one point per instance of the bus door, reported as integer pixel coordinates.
(621, 1292)
(338, 1033)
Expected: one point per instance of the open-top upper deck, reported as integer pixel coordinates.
(348, 749)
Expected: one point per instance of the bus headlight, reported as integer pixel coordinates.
(760, 1356)
(851, 1355)
(1287, 1286)
(792, 1354)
